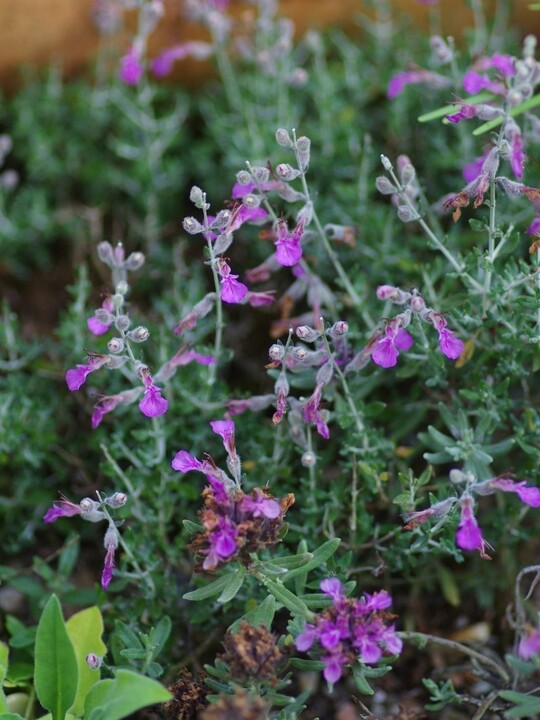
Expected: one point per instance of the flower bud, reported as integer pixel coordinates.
(251, 201)
(276, 352)
(243, 177)
(418, 304)
(408, 173)
(299, 354)
(9, 179)
(260, 174)
(338, 329)
(306, 333)
(305, 214)
(105, 253)
(115, 361)
(197, 197)
(456, 476)
(122, 323)
(122, 288)
(192, 226)
(325, 373)
(283, 138)
(117, 500)
(115, 345)
(223, 243)
(514, 97)
(298, 77)
(135, 261)
(139, 335)
(441, 49)
(93, 661)
(111, 538)
(406, 214)
(308, 459)
(384, 186)
(303, 150)
(387, 292)
(223, 218)
(387, 165)
(104, 316)
(286, 172)
(90, 510)
(117, 300)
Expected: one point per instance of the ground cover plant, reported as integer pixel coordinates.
(268, 395)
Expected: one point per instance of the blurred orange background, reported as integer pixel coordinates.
(37, 32)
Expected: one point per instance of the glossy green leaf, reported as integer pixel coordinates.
(85, 629)
(56, 673)
(127, 693)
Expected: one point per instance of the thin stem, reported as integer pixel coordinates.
(218, 341)
(159, 437)
(484, 707)
(423, 638)
(311, 469)
(491, 249)
(133, 493)
(338, 267)
(481, 35)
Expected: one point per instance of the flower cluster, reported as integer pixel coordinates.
(92, 511)
(469, 535)
(235, 524)
(385, 345)
(352, 629)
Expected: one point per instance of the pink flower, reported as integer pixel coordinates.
(97, 327)
(244, 214)
(534, 227)
(527, 494)
(222, 544)
(413, 77)
(152, 404)
(260, 505)
(466, 112)
(62, 508)
(469, 535)
(184, 462)
(131, 69)
(386, 349)
(259, 299)
(288, 247)
(225, 429)
(162, 65)
(517, 153)
(450, 345)
(232, 291)
(108, 568)
(474, 83)
(76, 377)
(473, 169)
(529, 645)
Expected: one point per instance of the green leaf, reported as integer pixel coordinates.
(214, 588)
(235, 582)
(308, 665)
(4, 654)
(263, 614)
(127, 636)
(56, 674)
(291, 562)
(287, 598)
(449, 109)
(159, 635)
(526, 706)
(449, 586)
(192, 527)
(127, 693)
(516, 110)
(85, 629)
(320, 556)
(360, 681)
(10, 716)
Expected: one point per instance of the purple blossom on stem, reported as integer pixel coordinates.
(400, 81)
(108, 568)
(61, 508)
(131, 69)
(288, 247)
(527, 494)
(97, 327)
(232, 291)
(466, 112)
(312, 412)
(469, 535)
(225, 429)
(76, 377)
(385, 351)
(260, 505)
(517, 152)
(474, 83)
(245, 214)
(534, 227)
(162, 65)
(222, 544)
(529, 645)
(152, 404)
(450, 345)
(473, 169)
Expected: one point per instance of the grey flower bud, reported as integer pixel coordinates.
(441, 50)
(299, 354)
(117, 500)
(338, 329)
(304, 332)
(223, 218)
(115, 345)
(116, 361)
(9, 179)
(104, 316)
(90, 510)
(117, 300)
(325, 373)
(283, 138)
(222, 243)
(303, 150)
(111, 538)
(122, 323)
(384, 186)
(387, 165)
(276, 352)
(305, 214)
(139, 335)
(260, 174)
(406, 214)
(418, 304)
(6, 143)
(192, 226)
(135, 261)
(197, 197)
(308, 459)
(122, 287)
(105, 253)
(93, 661)
(251, 201)
(243, 177)
(456, 476)
(286, 172)
(298, 77)
(408, 174)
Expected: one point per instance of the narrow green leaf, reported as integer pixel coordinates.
(308, 665)
(236, 580)
(4, 654)
(127, 693)
(526, 706)
(449, 109)
(160, 634)
(127, 636)
(56, 673)
(287, 598)
(320, 556)
(263, 614)
(516, 110)
(10, 716)
(360, 681)
(85, 629)
(214, 588)
(291, 562)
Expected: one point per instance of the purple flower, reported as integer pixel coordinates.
(413, 77)
(528, 495)
(225, 429)
(76, 377)
(259, 299)
(385, 351)
(529, 645)
(162, 65)
(260, 505)
(232, 291)
(469, 535)
(473, 169)
(466, 112)
(517, 153)
(131, 69)
(239, 191)
(312, 412)
(244, 214)
(534, 227)
(333, 588)
(474, 83)
(152, 404)
(222, 544)
(61, 508)
(108, 567)
(288, 247)
(450, 345)
(184, 462)
(372, 603)
(306, 639)
(97, 327)
(103, 406)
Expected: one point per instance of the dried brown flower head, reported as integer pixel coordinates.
(239, 706)
(252, 652)
(189, 698)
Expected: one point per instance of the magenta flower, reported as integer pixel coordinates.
(76, 377)
(232, 291)
(517, 152)
(222, 544)
(469, 535)
(244, 214)
(413, 77)
(474, 83)
(528, 495)
(332, 587)
(225, 429)
(103, 406)
(61, 508)
(450, 345)
(131, 69)
(97, 327)
(312, 412)
(108, 568)
(261, 506)
(259, 299)
(152, 404)
(529, 645)
(288, 247)
(473, 169)
(385, 351)
(184, 462)
(162, 65)
(466, 112)
(239, 191)
(534, 227)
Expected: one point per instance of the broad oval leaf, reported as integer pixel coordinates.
(127, 693)
(85, 629)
